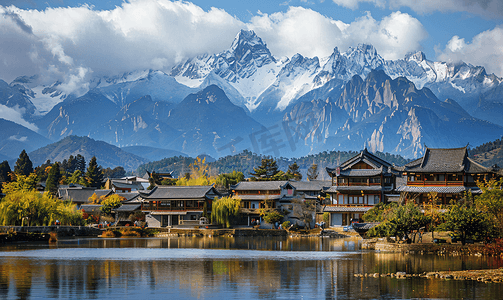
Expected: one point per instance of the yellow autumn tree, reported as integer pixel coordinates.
(199, 174)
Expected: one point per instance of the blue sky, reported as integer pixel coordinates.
(63, 38)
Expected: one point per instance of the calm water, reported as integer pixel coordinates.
(227, 268)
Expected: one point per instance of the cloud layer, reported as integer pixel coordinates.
(484, 47)
(486, 8)
(73, 44)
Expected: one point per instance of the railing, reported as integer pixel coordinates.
(359, 184)
(168, 208)
(192, 222)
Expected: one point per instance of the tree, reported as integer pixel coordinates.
(23, 165)
(225, 210)
(293, 172)
(267, 170)
(21, 183)
(42, 171)
(80, 163)
(110, 203)
(199, 174)
(466, 220)
(312, 172)
(71, 165)
(94, 174)
(77, 178)
(227, 179)
(491, 201)
(5, 172)
(399, 220)
(116, 172)
(22, 207)
(52, 183)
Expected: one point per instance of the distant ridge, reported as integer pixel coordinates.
(152, 153)
(108, 156)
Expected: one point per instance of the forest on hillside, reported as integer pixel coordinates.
(247, 160)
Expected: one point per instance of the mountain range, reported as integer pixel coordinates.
(246, 98)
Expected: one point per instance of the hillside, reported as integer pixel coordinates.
(246, 161)
(107, 155)
(488, 154)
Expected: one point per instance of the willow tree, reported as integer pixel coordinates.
(225, 210)
(32, 208)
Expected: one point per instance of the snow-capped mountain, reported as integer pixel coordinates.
(388, 115)
(335, 102)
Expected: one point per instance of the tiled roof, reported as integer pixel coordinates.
(362, 172)
(105, 193)
(446, 160)
(259, 197)
(127, 208)
(438, 189)
(259, 185)
(335, 189)
(88, 208)
(180, 192)
(123, 184)
(129, 196)
(346, 208)
(79, 195)
(314, 185)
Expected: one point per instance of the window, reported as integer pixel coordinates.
(376, 199)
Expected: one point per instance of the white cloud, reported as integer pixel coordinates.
(485, 47)
(15, 115)
(487, 8)
(309, 33)
(18, 138)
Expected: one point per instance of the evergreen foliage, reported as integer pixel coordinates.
(117, 172)
(80, 163)
(490, 202)
(466, 220)
(23, 165)
(267, 170)
(312, 172)
(225, 210)
(42, 171)
(52, 183)
(294, 172)
(5, 172)
(227, 179)
(94, 174)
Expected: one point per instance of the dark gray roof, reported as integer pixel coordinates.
(446, 160)
(128, 207)
(364, 156)
(335, 189)
(314, 185)
(105, 193)
(79, 195)
(259, 185)
(259, 197)
(90, 208)
(124, 184)
(438, 189)
(181, 192)
(131, 196)
(346, 208)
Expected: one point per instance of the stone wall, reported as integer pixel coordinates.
(423, 248)
(60, 230)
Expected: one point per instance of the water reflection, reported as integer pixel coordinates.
(236, 277)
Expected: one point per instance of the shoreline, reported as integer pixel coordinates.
(486, 276)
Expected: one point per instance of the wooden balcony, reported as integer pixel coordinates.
(435, 183)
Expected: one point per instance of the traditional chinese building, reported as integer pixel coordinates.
(357, 185)
(177, 205)
(447, 172)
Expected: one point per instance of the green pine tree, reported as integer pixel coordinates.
(294, 172)
(4, 171)
(94, 174)
(23, 166)
(52, 183)
(267, 170)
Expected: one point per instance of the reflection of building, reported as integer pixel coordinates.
(176, 205)
(448, 172)
(357, 185)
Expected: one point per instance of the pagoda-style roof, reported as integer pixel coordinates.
(259, 185)
(453, 160)
(378, 165)
(362, 209)
(357, 188)
(181, 193)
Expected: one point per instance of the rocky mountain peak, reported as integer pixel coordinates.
(418, 56)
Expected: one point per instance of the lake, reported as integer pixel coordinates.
(227, 268)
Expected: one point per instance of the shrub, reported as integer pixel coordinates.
(108, 234)
(286, 225)
(130, 233)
